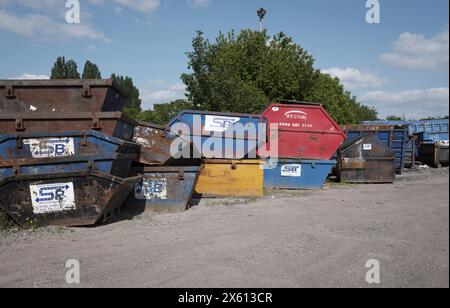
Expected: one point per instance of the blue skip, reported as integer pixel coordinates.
(297, 174)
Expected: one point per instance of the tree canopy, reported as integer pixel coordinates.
(133, 107)
(240, 73)
(91, 71)
(245, 72)
(65, 70)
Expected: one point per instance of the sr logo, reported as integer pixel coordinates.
(219, 123)
(291, 170)
(52, 198)
(56, 193)
(224, 122)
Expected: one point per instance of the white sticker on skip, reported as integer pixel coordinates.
(52, 198)
(367, 147)
(291, 170)
(148, 189)
(51, 147)
(219, 123)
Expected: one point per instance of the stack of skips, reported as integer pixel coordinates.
(67, 151)
(69, 156)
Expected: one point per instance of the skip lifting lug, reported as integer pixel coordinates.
(19, 125)
(10, 92)
(83, 141)
(19, 142)
(96, 124)
(87, 91)
(181, 175)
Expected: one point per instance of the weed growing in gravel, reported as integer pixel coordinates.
(6, 223)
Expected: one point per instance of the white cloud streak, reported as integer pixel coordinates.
(415, 51)
(174, 92)
(417, 103)
(30, 76)
(199, 3)
(354, 79)
(41, 27)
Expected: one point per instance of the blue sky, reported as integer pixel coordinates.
(400, 66)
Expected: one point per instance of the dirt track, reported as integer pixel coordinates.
(291, 239)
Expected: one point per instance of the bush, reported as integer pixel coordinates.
(6, 223)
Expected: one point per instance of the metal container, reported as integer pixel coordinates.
(18, 96)
(155, 143)
(411, 152)
(394, 137)
(71, 143)
(366, 159)
(66, 199)
(165, 189)
(212, 132)
(297, 174)
(305, 130)
(431, 137)
(114, 124)
(434, 130)
(234, 178)
(434, 154)
(111, 163)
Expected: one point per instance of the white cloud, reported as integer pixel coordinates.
(417, 103)
(41, 27)
(199, 3)
(36, 5)
(415, 51)
(353, 79)
(31, 76)
(174, 92)
(143, 6)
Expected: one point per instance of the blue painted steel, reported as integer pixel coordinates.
(435, 130)
(297, 174)
(426, 137)
(243, 147)
(110, 164)
(164, 188)
(15, 146)
(395, 139)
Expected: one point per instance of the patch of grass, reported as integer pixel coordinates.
(6, 223)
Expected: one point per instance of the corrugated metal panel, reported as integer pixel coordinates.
(238, 178)
(297, 174)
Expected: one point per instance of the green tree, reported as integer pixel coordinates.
(245, 72)
(72, 70)
(91, 71)
(59, 70)
(133, 107)
(395, 118)
(163, 113)
(65, 70)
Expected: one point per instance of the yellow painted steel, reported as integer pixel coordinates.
(235, 178)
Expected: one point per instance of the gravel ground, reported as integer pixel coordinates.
(286, 239)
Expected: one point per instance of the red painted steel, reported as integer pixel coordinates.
(305, 130)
